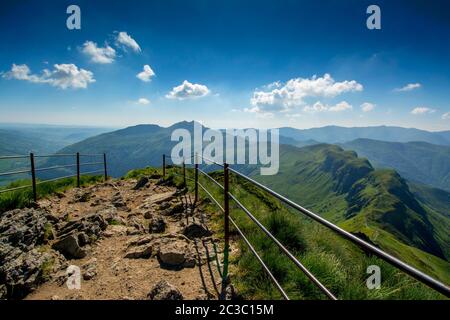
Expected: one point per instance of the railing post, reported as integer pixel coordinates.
(78, 169)
(164, 166)
(226, 208)
(104, 166)
(33, 177)
(196, 183)
(184, 173)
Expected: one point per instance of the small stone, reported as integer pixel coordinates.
(140, 252)
(163, 290)
(157, 225)
(90, 269)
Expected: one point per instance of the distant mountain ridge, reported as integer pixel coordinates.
(336, 134)
(417, 161)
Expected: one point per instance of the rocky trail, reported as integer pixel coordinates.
(130, 240)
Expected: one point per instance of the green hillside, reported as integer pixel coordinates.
(416, 161)
(374, 204)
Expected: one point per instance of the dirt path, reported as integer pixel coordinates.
(106, 271)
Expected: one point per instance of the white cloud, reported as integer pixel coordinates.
(341, 106)
(446, 116)
(62, 76)
(188, 90)
(409, 87)
(125, 40)
(422, 110)
(316, 107)
(147, 74)
(99, 54)
(143, 101)
(367, 106)
(294, 91)
(320, 107)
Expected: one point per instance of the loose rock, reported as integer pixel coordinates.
(163, 290)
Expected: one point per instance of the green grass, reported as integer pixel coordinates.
(24, 197)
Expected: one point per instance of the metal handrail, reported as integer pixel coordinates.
(90, 163)
(14, 172)
(417, 274)
(91, 172)
(13, 157)
(278, 243)
(255, 253)
(266, 269)
(14, 189)
(56, 155)
(33, 170)
(55, 167)
(55, 179)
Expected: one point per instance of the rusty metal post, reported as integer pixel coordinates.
(104, 166)
(33, 177)
(184, 173)
(226, 207)
(78, 169)
(164, 166)
(196, 183)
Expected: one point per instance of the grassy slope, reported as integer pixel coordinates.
(338, 264)
(373, 203)
(23, 198)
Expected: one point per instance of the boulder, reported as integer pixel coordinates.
(140, 252)
(196, 230)
(70, 247)
(118, 202)
(82, 196)
(157, 225)
(163, 290)
(141, 183)
(172, 255)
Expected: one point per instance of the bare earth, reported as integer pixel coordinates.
(117, 277)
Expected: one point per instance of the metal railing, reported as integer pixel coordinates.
(413, 272)
(33, 169)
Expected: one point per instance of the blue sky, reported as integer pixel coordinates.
(226, 63)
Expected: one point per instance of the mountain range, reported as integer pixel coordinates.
(389, 198)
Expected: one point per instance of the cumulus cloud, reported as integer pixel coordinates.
(143, 101)
(188, 90)
(147, 74)
(422, 110)
(409, 87)
(341, 106)
(320, 107)
(124, 40)
(98, 54)
(63, 76)
(446, 116)
(293, 92)
(367, 106)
